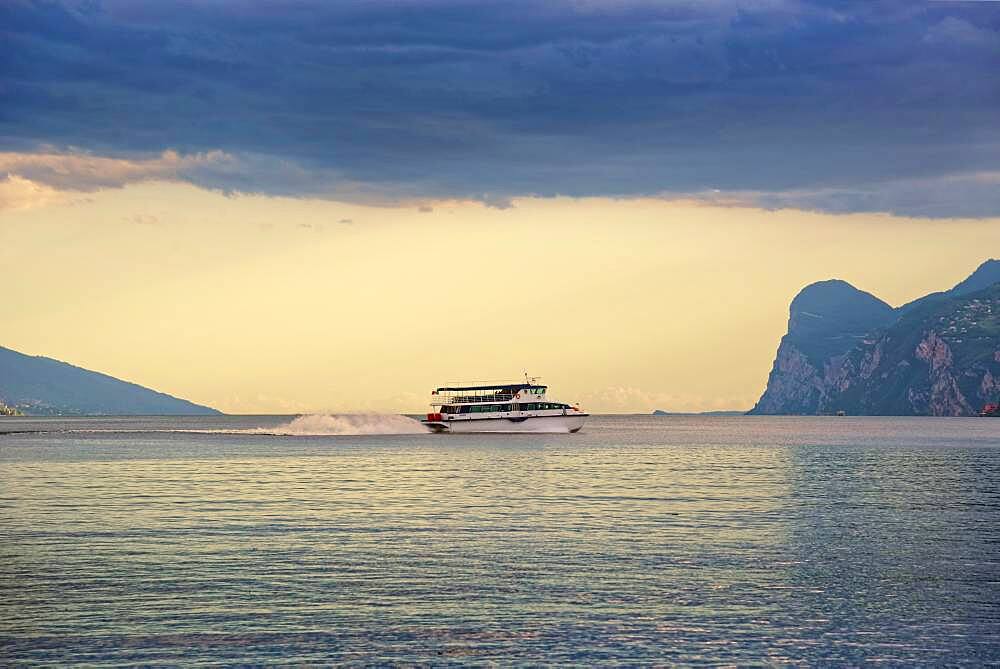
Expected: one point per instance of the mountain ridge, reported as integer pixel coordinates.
(983, 276)
(38, 385)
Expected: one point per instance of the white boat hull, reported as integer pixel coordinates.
(535, 424)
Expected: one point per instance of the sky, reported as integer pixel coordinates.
(322, 206)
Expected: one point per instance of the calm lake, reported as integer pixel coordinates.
(639, 540)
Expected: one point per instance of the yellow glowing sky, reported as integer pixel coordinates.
(254, 304)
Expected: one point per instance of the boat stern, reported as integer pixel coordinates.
(434, 426)
(435, 423)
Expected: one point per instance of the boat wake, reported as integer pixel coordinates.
(315, 425)
(309, 425)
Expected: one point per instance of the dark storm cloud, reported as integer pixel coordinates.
(836, 106)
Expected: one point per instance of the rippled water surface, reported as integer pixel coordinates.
(638, 540)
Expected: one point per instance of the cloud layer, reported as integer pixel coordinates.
(82, 172)
(848, 106)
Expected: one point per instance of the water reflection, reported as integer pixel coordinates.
(682, 541)
(894, 551)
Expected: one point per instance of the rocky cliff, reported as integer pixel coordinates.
(826, 321)
(848, 351)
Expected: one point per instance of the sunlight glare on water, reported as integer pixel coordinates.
(640, 539)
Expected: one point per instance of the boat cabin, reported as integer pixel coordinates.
(502, 400)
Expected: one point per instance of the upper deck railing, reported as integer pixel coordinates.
(482, 392)
(472, 399)
(468, 385)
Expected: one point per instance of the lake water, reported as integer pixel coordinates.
(639, 540)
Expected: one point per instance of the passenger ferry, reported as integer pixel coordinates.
(501, 407)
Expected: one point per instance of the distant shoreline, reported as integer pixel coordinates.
(661, 412)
